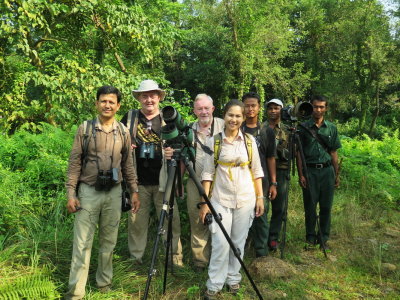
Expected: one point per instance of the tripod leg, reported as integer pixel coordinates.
(160, 231)
(168, 246)
(235, 250)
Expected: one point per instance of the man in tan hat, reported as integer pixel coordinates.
(144, 126)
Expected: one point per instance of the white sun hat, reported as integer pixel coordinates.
(147, 86)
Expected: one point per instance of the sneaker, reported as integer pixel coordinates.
(210, 295)
(234, 288)
(273, 245)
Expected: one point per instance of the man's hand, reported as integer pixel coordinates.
(337, 181)
(260, 206)
(303, 182)
(135, 202)
(272, 192)
(73, 205)
(168, 152)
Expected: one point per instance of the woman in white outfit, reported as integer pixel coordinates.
(236, 194)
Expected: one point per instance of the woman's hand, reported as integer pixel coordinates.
(203, 211)
(259, 206)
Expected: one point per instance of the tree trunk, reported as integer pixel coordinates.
(376, 113)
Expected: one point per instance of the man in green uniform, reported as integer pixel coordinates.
(265, 140)
(273, 108)
(320, 141)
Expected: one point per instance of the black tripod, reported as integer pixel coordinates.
(295, 146)
(173, 171)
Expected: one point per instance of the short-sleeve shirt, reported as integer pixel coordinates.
(314, 152)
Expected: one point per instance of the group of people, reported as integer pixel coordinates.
(241, 162)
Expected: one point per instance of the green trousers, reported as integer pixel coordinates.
(278, 205)
(259, 231)
(320, 189)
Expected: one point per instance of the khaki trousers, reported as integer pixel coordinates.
(138, 224)
(199, 233)
(99, 209)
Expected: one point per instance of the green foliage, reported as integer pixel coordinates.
(29, 287)
(373, 167)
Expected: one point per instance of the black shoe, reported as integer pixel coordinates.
(325, 245)
(309, 245)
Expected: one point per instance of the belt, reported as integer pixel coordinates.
(319, 165)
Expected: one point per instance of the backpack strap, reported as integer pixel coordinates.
(217, 148)
(249, 147)
(123, 133)
(87, 126)
(132, 123)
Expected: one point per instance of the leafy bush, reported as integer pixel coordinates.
(372, 167)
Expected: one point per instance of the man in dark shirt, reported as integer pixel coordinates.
(320, 141)
(273, 108)
(265, 139)
(145, 128)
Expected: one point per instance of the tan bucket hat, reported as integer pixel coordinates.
(147, 86)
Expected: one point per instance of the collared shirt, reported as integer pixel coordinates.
(313, 151)
(236, 190)
(108, 144)
(218, 126)
(282, 145)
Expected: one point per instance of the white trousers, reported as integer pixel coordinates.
(224, 266)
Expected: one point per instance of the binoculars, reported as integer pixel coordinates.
(147, 150)
(106, 179)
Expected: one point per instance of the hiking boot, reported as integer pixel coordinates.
(234, 288)
(273, 245)
(210, 295)
(105, 289)
(309, 245)
(327, 247)
(136, 261)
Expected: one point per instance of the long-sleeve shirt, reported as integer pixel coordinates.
(113, 151)
(233, 187)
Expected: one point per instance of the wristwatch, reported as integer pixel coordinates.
(274, 183)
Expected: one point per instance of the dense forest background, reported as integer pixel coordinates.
(55, 54)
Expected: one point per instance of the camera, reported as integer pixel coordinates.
(147, 150)
(300, 111)
(106, 179)
(177, 133)
(208, 219)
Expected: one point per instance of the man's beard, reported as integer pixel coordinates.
(205, 121)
